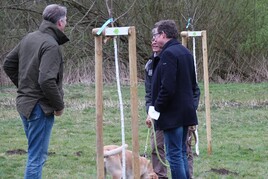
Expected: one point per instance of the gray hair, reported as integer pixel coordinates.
(154, 30)
(168, 27)
(54, 12)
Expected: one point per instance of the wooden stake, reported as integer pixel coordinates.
(206, 86)
(134, 101)
(99, 104)
(184, 36)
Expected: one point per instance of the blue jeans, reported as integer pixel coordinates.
(38, 130)
(175, 141)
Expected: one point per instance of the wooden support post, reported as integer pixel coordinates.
(203, 34)
(206, 86)
(134, 101)
(133, 92)
(184, 38)
(99, 104)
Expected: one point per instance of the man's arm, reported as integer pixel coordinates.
(196, 90)
(48, 76)
(11, 65)
(148, 94)
(196, 94)
(148, 80)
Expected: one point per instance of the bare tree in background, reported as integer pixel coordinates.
(236, 48)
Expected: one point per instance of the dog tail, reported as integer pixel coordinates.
(114, 151)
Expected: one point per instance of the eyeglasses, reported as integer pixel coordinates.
(155, 36)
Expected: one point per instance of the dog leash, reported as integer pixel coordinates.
(192, 134)
(155, 145)
(146, 144)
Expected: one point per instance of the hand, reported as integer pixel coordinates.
(148, 122)
(58, 113)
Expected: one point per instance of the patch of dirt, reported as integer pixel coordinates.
(79, 153)
(223, 171)
(51, 153)
(16, 152)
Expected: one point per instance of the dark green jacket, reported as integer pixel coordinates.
(35, 66)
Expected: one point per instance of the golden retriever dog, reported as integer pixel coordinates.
(113, 163)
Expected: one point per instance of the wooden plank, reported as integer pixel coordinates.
(113, 31)
(195, 33)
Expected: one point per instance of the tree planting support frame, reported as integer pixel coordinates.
(203, 35)
(131, 32)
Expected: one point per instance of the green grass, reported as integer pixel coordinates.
(239, 132)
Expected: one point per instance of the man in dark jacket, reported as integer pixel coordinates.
(159, 168)
(173, 88)
(35, 66)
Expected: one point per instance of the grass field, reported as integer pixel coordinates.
(239, 132)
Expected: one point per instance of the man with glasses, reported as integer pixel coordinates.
(35, 66)
(173, 90)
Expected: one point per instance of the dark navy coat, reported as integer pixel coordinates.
(173, 87)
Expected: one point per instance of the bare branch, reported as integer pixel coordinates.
(20, 9)
(83, 16)
(126, 11)
(109, 9)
